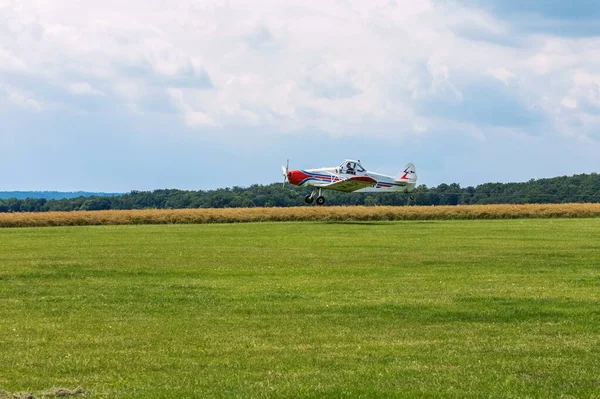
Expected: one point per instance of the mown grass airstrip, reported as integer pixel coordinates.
(485, 308)
(307, 213)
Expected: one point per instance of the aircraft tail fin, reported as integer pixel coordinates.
(408, 174)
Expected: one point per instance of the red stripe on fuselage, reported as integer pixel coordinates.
(296, 177)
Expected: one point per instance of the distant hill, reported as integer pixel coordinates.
(53, 194)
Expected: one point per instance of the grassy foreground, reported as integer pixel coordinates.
(500, 308)
(304, 213)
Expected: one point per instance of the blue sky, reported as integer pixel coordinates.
(141, 95)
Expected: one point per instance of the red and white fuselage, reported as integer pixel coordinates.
(350, 176)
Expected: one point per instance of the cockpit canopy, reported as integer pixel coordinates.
(351, 166)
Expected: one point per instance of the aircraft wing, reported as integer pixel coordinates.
(352, 184)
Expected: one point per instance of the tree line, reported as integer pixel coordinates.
(577, 188)
(52, 194)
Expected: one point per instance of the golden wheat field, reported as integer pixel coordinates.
(346, 213)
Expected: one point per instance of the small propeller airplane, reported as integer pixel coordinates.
(349, 177)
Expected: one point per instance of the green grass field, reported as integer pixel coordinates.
(457, 309)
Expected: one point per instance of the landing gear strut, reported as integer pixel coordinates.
(310, 197)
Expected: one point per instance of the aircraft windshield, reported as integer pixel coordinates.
(351, 167)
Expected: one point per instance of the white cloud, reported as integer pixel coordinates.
(23, 99)
(502, 74)
(569, 102)
(342, 67)
(198, 119)
(83, 88)
(540, 63)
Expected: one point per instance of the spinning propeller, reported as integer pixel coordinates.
(285, 172)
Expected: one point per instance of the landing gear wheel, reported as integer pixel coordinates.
(320, 200)
(308, 199)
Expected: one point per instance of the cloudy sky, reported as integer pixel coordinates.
(120, 95)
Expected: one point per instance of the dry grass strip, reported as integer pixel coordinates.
(332, 213)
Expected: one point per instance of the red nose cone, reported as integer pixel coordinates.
(296, 177)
